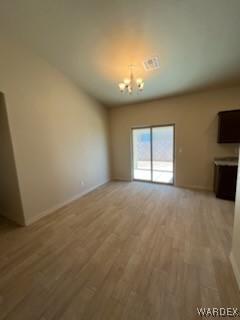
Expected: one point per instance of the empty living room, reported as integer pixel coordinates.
(120, 144)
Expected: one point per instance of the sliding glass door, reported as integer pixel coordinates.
(162, 154)
(153, 154)
(142, 154)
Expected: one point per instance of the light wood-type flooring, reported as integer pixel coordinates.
(125, 251)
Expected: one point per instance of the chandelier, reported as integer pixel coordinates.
(131, 83)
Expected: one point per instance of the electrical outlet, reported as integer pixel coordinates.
(82, 183)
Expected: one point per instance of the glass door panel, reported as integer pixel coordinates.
(162, 154)
(142, 154)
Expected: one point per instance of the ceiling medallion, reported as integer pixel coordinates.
(130, 84)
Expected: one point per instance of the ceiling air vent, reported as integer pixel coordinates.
(151, 64)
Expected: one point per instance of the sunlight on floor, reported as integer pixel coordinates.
(158, 176)
(162, 171)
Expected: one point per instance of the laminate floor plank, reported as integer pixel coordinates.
(125, 251)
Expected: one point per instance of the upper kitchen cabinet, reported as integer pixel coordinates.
(229, 126)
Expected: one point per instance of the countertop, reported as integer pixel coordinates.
(226, 162)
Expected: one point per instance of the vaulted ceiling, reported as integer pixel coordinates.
(94, 41)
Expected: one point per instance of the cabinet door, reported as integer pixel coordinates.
(229, 126)
(226, 182)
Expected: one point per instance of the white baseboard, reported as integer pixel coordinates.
(29, 221)
(193, 187)
(121, 179)
(236, 270)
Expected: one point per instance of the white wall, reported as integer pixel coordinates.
(195, 119)
(59, 134)
(10, 199)
(235, 254)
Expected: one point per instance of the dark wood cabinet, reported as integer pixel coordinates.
(225, 180)
(229, 126)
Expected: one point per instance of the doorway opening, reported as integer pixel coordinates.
(153, 153)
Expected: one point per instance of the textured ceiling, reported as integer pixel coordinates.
(94, 41)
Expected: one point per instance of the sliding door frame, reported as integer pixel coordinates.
(151, 152)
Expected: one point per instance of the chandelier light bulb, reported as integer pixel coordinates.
(140, 86)
(122, 86)
(127, 81)
(129, 89)
(139, 81)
